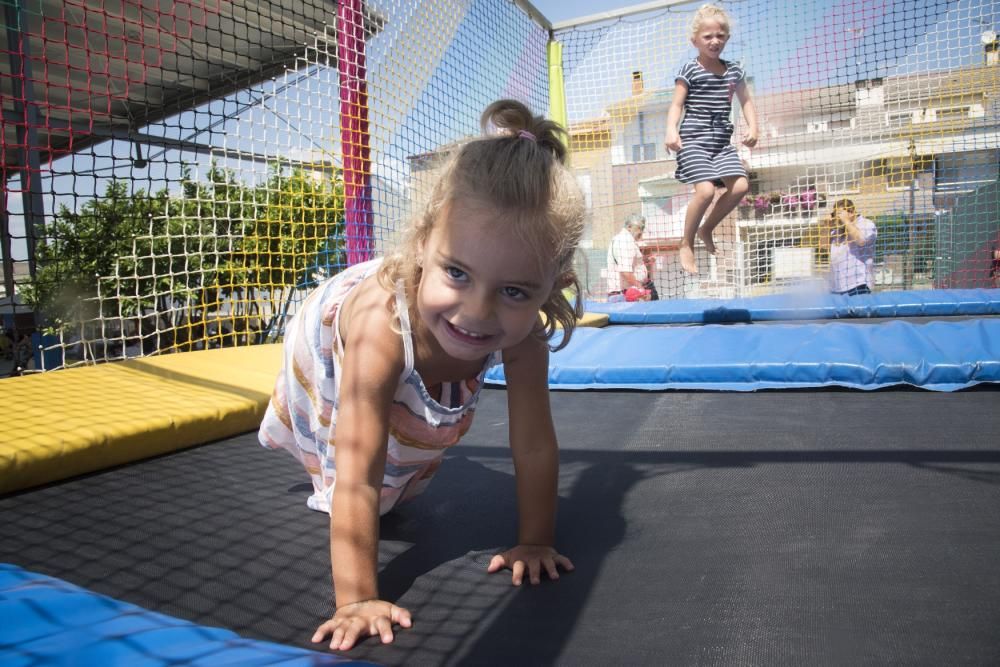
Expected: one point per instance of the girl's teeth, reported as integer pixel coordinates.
(468, 333)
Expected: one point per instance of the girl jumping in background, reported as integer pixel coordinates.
(703, 91)
(384, 363)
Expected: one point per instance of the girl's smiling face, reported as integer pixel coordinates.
(710, 39)
(481, 287)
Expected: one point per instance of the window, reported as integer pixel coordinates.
(869, 92)
(900, 177)
(843, 179)
(643, 152)
(963, 172)
(898, 118)
(952, 113)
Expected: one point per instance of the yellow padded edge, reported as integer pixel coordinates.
(70, 422)
(64, 423)
(596, 320)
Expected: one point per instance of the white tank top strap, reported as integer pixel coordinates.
(403, 312)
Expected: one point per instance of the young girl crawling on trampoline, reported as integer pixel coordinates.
(384, 362)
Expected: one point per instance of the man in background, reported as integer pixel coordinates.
(627, 272)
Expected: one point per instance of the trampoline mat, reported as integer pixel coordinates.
(793, 527)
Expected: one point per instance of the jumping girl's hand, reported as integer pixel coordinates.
(673, 141)
(533, 557)
(359, 620)
(750, 139)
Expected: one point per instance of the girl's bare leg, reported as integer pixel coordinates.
(736, 188)
(704, 192)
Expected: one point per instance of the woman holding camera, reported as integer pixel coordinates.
(852, 250)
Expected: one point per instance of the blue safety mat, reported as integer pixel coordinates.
(944, 356)
(47, 621)
(804, 306)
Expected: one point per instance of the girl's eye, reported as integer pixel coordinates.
(514, 293)
(454, 273)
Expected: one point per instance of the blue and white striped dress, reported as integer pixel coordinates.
(707, 153)
(302, 414)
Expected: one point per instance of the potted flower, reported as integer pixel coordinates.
(808, 200)
(774, 202)
(790, 202)
(745, 206)
(761, 205)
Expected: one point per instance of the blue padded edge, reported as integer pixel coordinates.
(943, 356)
(47, 621)
(803, 306)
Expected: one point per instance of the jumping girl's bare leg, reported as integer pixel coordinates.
(736, 188)
(704, 192)
(705, 235)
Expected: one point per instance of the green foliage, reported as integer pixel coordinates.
(898, 235)
(218, 249)
(79, 247)
(300, 215)
(893, 236)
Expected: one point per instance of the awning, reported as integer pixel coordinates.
(932, 144)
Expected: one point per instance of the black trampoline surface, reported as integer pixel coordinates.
(770, 528)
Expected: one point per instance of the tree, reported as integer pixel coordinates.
(297, 237)
(79, 248)
(213, 265)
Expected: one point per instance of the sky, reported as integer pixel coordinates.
(562, 10)
(822, 42)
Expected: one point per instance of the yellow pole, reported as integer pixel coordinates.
(557, 92)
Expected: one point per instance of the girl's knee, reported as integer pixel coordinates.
(704, 191)
(740, 186)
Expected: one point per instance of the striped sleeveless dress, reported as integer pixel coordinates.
(301, 416)
(707, 152)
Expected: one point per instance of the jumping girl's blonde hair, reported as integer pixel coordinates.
(517, 168)
(710, 12)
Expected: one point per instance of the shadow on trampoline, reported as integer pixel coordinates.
(791, 528)
(504, 624)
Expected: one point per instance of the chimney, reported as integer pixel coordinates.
(991, 44)
(636, 83)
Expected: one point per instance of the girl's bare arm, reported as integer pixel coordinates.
(536, 465)
(749, 113)
(372, 363)
(673, 140)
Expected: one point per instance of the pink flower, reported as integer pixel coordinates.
(808, 199)
(791, 201)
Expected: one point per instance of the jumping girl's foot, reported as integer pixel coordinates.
(688, 262)
(706, 238)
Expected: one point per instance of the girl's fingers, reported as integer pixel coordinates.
(497, 563)
(337, 639)
(383, 628)
(320, 633)
(518, 570)
(534, 572)
(565, 563)
(401, 616)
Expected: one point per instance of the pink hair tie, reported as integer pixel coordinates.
(524, 134)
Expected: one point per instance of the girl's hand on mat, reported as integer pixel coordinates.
(358, 620)
(531, 557)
